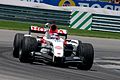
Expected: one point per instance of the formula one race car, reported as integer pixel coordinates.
(53, 47)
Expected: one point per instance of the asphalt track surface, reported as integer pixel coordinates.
(106, 64)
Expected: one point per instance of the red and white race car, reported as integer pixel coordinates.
(53, 48)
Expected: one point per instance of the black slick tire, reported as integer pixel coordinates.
(29, 44)
(87, 55)
(17, 44)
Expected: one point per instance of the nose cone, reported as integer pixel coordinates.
(58, 49)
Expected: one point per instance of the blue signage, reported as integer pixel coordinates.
(81, 3)
(96, 4)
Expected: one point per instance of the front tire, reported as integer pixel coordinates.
(87, 54)
(29, 44)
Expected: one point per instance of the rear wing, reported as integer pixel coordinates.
(42, 30)
(36, 29)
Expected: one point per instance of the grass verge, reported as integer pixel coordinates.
(12, 25)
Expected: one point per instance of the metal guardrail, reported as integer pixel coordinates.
(28, 14)
(104, 22)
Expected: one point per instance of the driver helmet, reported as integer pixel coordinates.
(47, 25)
(53, 29)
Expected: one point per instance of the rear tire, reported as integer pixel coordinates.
(17, 44)
(29, 44)
(87, 53)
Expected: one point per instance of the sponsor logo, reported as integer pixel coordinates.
(58, 47)
(35, 28)
(58, 53)
(36, 1)
(100, 5)
(66, 3)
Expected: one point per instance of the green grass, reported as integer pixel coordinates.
(11, 25)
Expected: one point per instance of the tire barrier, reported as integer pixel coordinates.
(104, 22)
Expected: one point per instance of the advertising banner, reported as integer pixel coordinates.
(81, 3)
